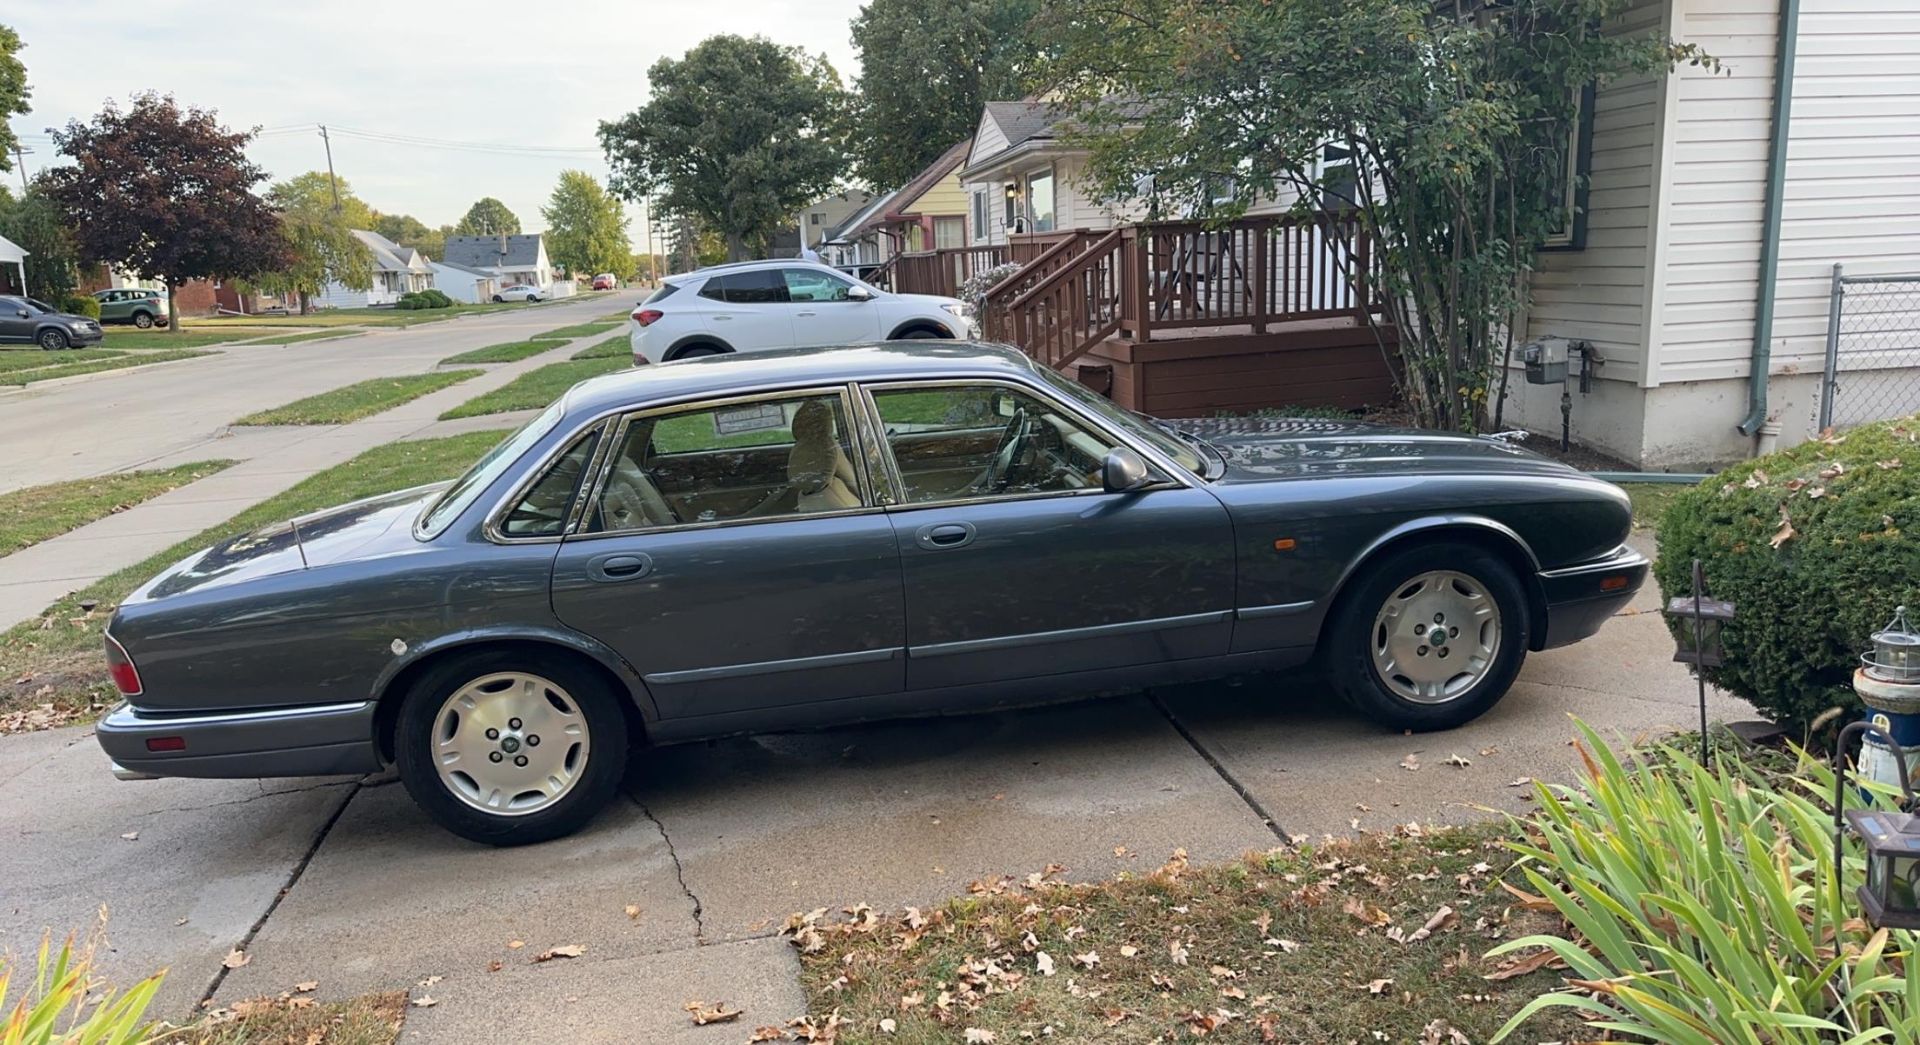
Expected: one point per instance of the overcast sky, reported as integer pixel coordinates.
(526, 75)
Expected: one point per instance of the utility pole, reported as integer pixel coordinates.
(20, 160)
(331, 180)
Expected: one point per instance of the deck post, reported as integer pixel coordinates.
(1362, 270)
(1142, 283)
(1259, 276)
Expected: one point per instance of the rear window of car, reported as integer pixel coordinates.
(666, 291)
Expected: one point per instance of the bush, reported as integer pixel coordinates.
(1707, 906)
(974, 290)
(1816, 546)
(81, 305)
(435, 299)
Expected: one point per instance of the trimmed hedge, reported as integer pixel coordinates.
(1815, 546)
(81, 305)
(414, 300)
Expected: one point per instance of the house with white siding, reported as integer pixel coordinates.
(1717, 205)
(397, 270)
(515, 259)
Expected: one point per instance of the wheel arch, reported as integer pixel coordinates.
(932, 326)
(1490, 534)
(391, 688)
(692, 341)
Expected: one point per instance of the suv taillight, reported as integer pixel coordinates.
(646, 316)
(126, 678)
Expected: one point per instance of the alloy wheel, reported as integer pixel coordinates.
(510, 743)
(1435, 637)
(53, 340)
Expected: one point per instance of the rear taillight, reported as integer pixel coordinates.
(646, 316)
(126, 678)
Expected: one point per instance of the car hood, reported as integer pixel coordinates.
(1262, 450)
(361, 530)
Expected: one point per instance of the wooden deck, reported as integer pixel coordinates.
(1199, 372)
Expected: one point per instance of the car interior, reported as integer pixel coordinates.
(794, 456)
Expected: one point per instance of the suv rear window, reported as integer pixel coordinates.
(758, 287)
(666, 291)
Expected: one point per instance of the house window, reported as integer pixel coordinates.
(949, 232)
(1338, 181)
(979, 214)
(1040, 199)
(1563, 171)
(814, 218)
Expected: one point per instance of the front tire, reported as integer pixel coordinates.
(1429, 637)
(53, 340)
(509, 747)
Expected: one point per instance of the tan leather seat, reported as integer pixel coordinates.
(818, 469)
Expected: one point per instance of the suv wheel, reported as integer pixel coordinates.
(510, 747)
(1429, 637)
(53, 340)
(143, 320)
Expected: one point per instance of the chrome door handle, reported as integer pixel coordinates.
(722, 319)
(619, 566)
(942, 536)
(806, 313)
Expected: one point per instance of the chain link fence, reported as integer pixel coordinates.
(1873, 349)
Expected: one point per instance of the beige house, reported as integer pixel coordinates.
(1668, 279)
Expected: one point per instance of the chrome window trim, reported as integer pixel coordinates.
(629, 415)
(1170, 470)
(501, 508)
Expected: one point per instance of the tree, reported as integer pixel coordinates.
(38, 226)
(586, 227)
(321, 246)
(165, 192)
(488, 217)
(926, 70)
(13, 93)
(739, 134)
(1453, 126)
(409, 231)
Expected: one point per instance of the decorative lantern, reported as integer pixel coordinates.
(1700, 619)
(1896, 651)
(1891, 896)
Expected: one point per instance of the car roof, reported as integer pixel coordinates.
(749, 373)
(747, 266)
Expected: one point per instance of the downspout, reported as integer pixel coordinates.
(1787, 44)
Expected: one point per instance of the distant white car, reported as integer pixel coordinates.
(755, 306)
(519, 292)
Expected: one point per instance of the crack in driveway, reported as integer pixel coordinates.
(244, 801)
(679, 873)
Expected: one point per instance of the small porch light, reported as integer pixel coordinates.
(1896, 651)
(1891, 896)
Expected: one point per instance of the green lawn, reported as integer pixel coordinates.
(30, 358)
(37, 513)
(308, 335)
(577, 330)
(358, 400)
(617, 345)
(618, 317)
(503, 353)
(365, 317)
(133, 337)
(535, 388)
(64, 364)
(61, 648)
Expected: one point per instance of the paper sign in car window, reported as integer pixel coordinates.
(754, 418)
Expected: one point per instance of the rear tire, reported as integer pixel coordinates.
(917, 334)
(143, 320)
(53, 340)
(511, 747)
(531, 298)
(1428, 637)
(696, 352)
(498, 300)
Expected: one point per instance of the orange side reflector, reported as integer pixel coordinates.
(1284, 544)
(1613, 583)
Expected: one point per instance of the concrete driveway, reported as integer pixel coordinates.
(348, 884)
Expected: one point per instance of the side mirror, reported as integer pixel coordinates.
(22, 313)
(1124, 471)
(859, 294)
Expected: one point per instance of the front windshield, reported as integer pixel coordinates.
(484, 471)
(1183, 454)
(38, 306)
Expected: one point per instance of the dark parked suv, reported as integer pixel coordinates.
(24, 321)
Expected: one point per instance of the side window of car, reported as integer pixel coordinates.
(715, 288)
(756, 287)
(962, 442)
(811, 285)
(542, 510)
(763, 459)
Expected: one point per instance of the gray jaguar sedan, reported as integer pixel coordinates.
(737, 544)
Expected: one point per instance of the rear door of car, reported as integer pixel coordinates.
(113, 305)
(699, 561)
(748, 309)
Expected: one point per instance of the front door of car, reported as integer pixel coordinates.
(748, 310)
(733, 554)
(1018, 563)
(823, 311)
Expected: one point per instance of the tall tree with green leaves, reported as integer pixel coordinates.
(14, 92)
(926, 70)
(165, 192)
(38, 226)
(1453, 125)
(586, 226)
(488, 217)
(321, 246)
(409, 231)
(739, 134)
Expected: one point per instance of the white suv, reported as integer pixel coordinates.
(754, 306)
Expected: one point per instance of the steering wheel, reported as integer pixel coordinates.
(1013, 445)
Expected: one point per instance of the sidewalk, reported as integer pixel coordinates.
(274, 459)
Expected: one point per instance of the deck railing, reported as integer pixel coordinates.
(942, 271)
(995, 316)
(1133, 281)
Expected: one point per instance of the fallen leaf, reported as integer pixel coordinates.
(307, 986)
(1177, 951)
(1286, 946)
(633, 910)
(1411, 763)
(514, 945)
(1456, 761)
(976, 1036)
(429, 981)
(719, 1013)
(887, 1026)
(131, 836)
(1520, 781)
(1444, 918)
(1044, 962)
(425, 1001)
(1378, 986)
(1128, 950)
(1521, 966)
(1089, 959)
(770, 1034)
(1365, 912)
(1786, 531)
(236, 958)
(572, 950)
(496, 965)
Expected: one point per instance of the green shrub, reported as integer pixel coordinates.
(1703, 905)
(81, 305)
(435, 299)
(412, 301)
(1816, 546)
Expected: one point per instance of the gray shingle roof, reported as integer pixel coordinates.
(1020, 121)
(523, 251)
(389, 256)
